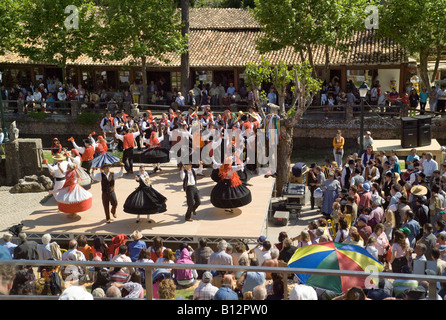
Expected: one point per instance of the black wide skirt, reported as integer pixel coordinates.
(155, 156)
(227, 197)
(145, 200)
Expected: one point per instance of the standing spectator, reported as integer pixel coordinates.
(26, 249)
(136, 245)
(364, 230)
(424, 95)
(428, 239)
(7, 238)
(205, 290)
(441, 99)
(433, 97)
(410, 223)
(123, 257)
(202, 255)
(414, 98)
(400, 252)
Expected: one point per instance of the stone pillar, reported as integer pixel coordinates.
(348, 113)
(23, 157)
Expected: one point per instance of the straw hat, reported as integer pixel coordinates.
(136, 235)
(59, 157)
(418, 190)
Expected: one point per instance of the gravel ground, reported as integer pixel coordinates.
(15, 207)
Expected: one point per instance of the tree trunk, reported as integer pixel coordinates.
(144, 79)
(326, 75)
(437, 64)
(424, 55)
(185, 63)
(284, 150)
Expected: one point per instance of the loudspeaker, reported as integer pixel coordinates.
(424, 130)
(409, 132)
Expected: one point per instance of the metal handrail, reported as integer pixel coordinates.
(149, 268)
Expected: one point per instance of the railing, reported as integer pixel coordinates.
(149, 269)
(313, 112)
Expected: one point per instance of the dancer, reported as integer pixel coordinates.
(155, 153)
(84, 178)
(189, 177)
(229, 192)
(58, 170)
(107, 179)
(145, 199)
(128, 143)
(72, 198)
(87, 151)
(102, 156)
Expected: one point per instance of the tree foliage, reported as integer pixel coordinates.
(418, 26)
(139, 29)
(50, 33)
(10, 28)
(304, 24)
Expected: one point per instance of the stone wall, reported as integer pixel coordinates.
(23, 158)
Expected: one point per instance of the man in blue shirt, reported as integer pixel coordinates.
(413, 226)
(8, 244)
(226, 292)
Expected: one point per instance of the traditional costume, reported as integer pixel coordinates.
(84, 178)
(230, 192)
(189, 177)
(87, 152)
(128, 143)
(58, 170)
(155, 152)
(145, 199)
(72, 198)
(107, 180)
(102, 156)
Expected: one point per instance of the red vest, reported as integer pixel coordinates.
(129, 141)
(88, 154)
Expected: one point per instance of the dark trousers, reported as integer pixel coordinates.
(193, 200)
(109, 198)
(127, 158)
(87, 165)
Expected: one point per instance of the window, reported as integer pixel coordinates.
(175, 80)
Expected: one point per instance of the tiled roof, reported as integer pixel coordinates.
(227, 38)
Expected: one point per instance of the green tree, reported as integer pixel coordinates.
(139, 29)
(418, 26)
(56, 31)
(304, 87)
(10, 28)
(305, 24)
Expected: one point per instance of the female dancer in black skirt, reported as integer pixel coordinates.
(145, 199)
(230, 192)
(157, 151)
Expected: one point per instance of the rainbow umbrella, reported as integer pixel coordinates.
(334, 256)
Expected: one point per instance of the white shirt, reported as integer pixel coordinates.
(98, 176)
(429, 167)
(121, 137)
(190, 177)
(82, 149)
(58, 173)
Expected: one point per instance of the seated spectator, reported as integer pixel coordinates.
(278, 289)
(226, 291)
(240, 250)
(83, 246)
(205, 290)
(123, 257)
(250, 279)
(185, 277)
(272, 262)
(23, 283)
(113, 292)
(167, 290)
(259, 292)
(303, 292)
(43, 250)
(287, 251)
